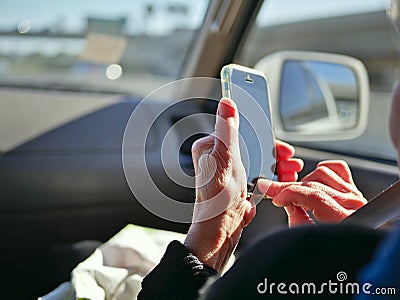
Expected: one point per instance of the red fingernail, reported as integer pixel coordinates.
(226, 109)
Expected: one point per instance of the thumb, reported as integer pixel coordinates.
(227, 124)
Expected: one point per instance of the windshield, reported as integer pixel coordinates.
(115, 46)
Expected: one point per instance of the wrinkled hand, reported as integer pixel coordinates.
(221, 209)
(328, 192)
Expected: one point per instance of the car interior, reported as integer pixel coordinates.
(72, 75)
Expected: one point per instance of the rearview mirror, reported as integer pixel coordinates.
(316, 96)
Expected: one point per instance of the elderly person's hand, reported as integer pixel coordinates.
(221, 209)
(328, 192)
(287, 167)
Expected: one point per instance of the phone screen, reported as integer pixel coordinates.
(249, 90)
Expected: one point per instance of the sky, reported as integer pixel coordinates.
(288, 11)
(72, 14)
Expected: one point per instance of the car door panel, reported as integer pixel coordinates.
(68, 185)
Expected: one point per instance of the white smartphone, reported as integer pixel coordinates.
(248, 88)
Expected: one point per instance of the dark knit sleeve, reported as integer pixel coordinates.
(179, 275)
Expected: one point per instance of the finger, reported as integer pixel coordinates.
(297, 216)
(272, 188)
(351, 203)
(290, 165)
(340, 167)
(347, 200)
(288, 177)
(227, 124)
(322, 206)
(328, 177)
(283, 150)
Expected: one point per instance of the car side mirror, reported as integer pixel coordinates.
(316, 96)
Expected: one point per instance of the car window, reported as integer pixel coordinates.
(116, 46)
(360, 29)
